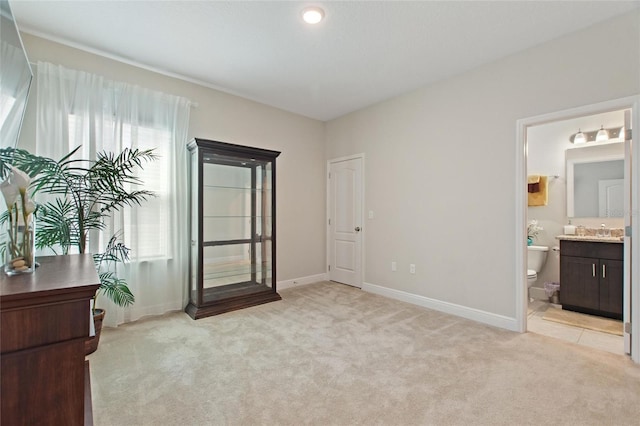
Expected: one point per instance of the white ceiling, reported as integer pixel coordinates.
(362, 53)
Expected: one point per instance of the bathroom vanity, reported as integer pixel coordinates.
(592, 275)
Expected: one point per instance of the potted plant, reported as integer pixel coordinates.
(87, 193)
(533, 229)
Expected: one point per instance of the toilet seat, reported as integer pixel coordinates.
(531, 274)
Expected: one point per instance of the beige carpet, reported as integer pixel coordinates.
(590, 322)
(328, 354)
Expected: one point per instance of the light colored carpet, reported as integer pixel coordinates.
(576, 319)
(328, 354)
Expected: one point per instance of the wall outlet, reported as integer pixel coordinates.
(370, 214)
(394, 266)
(412, 269)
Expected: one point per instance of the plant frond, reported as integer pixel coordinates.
(114, 252)
(115, 289)
(56, 225)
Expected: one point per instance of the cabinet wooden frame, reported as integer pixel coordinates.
(212, 301)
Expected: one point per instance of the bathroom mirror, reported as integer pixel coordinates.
(15, 78)
(595, 181)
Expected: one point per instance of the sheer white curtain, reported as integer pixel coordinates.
(77, 108)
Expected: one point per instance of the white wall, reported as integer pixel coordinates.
(228, 118)
(440, 163)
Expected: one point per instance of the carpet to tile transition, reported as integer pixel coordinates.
(591, 322)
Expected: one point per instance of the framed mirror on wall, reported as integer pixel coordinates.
(595, 181)
(15, 78)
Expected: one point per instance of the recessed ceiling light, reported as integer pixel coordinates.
(312, 15)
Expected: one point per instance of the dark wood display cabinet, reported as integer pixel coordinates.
(233, 235)
(592, 277)
(45, 322)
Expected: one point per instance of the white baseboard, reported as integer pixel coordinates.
(484, 317)
(296, 282)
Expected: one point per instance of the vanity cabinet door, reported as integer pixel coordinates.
(611, 274)
(580, 282)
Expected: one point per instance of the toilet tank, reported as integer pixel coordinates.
(536, 256)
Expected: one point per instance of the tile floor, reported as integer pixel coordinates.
(593, 339)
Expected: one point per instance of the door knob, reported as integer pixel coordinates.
(357, 229)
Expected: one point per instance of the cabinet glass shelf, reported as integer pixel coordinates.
(232, 227)
(235, 188)
(232, 216)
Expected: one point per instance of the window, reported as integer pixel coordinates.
(146, 227)
(6, 104)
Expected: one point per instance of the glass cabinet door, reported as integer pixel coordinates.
(232, 232)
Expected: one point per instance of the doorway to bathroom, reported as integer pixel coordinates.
(553, 154)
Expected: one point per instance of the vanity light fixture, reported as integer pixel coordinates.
(602, 135)
(579, 138)
(312, 15)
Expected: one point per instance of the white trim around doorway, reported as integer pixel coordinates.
(520, 278)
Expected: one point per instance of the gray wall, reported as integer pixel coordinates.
(228, 118)
(440, 163)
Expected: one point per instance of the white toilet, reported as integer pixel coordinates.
(536, 256)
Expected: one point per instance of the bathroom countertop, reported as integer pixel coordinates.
(591, 238)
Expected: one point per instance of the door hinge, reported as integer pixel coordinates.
(329, 221)
(627, 231)
(329, 267)
(329, 175)
(627, 327)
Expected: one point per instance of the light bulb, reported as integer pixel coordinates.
(579, 138)
(602, 135)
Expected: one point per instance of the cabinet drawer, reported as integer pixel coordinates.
(613, 251)
(42, 325)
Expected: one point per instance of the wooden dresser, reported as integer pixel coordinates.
(44, 318)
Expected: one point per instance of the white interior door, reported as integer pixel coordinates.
(611, 197)
(628, 188)
(345, 221)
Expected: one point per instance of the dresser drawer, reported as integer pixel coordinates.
(613, 251)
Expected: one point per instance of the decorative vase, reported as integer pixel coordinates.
(19, 250)
(529, 241)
